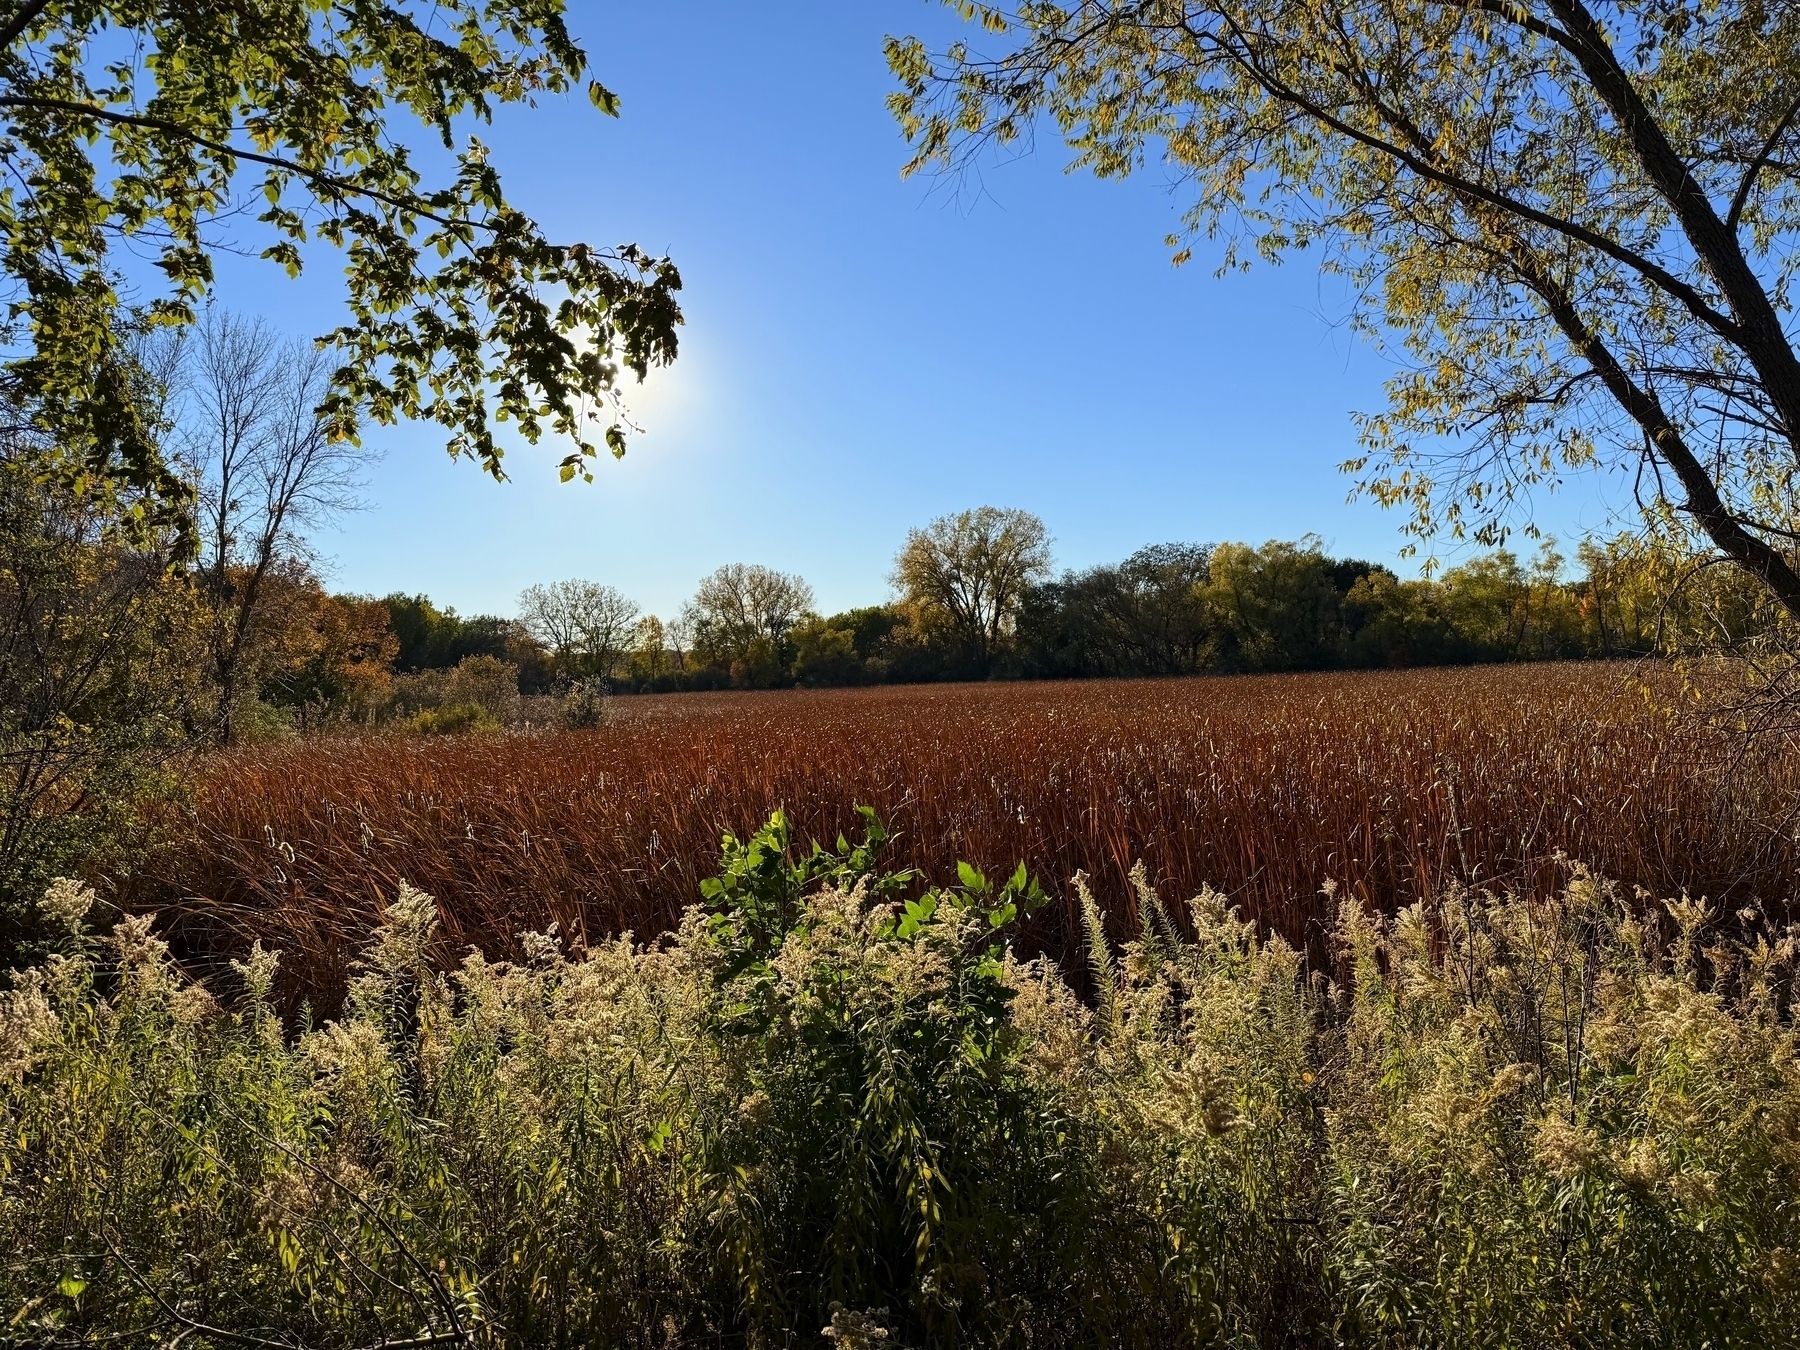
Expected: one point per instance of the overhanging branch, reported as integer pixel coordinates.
(15, 27)
(1239, 53)
(334, 184)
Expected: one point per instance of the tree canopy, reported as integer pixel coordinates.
(587, 625)
(741, 611)
(1573, 221)
(155, 126)
(973, 568)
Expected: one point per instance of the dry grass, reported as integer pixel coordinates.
(1389, 784)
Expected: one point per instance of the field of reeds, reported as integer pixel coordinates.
(1389, 785)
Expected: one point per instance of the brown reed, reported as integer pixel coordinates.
(1388, 784)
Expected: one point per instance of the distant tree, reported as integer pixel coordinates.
(1394, 623)
(870, 626)
(436, 639)
(586, 625)
(973, 568)
(869, 645)
(1508, 611)
(1577, 221)
(1145, 616)
(449, 696)
(267, 469)
(1280, 606)
(650, 648)
(743, 615)
(678, 632)
(343, 668)
(127, 127)
(825, 654)
(416, 624)
(1642, 594)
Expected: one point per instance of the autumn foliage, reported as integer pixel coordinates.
(1387, 785)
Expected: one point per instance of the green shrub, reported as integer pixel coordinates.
(453, 720)
(587, 703)
(261, 723)
(481, 681)
(835, 1100)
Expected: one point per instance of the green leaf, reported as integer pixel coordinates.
(603, 98)
(458, 308)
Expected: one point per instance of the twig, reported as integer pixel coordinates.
(442, 1294)
(191, 1326)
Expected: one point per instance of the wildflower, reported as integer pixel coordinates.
(542, 949)
(192, 1005)
(350, 1049)
(404, 938)
(1513, 1079)
(258, 973)
(26, 1021)
(1201, 1096)
(67, 903)
(143, 959)
(756, 1110)
(1696, 1190)
(1779, 1271)
(1565, 1148)
(1643, 1165)
(850, 1330)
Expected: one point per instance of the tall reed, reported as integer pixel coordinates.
(1390, 786)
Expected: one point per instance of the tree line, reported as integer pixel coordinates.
(975, 597)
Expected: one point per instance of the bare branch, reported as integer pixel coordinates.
(1757, 165)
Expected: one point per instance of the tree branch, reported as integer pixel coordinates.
(1758, 164)
(190, 1326)
(1279, 89)
(15, 27)
(431, 1277)
(337, 186)
(1520, 17)
(1704, 503)
(1761, 335)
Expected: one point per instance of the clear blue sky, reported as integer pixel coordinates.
(861, 352)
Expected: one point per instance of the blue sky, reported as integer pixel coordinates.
(861, 352)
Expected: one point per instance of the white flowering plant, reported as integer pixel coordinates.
(837, 1107)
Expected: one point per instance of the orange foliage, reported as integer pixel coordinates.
(1388, 784)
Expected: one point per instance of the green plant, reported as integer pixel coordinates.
(1574, 1121)
(454, 720)
(1569, 1122)
(481, 681)
(98, 695)
(586, 704)
(586, 1150)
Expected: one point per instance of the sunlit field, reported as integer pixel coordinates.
(1387, 785)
